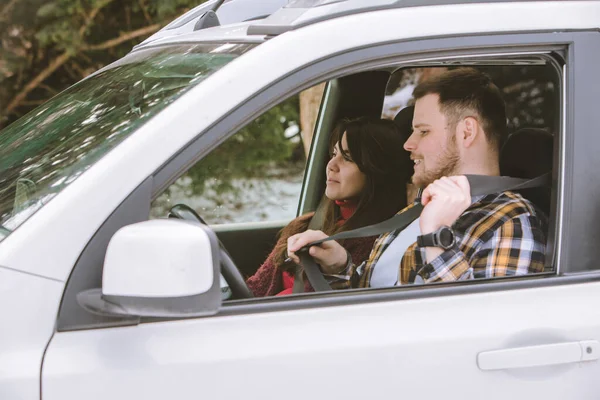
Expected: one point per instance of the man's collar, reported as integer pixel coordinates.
(418, 196)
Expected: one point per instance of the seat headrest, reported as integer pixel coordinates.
(527, 153)
(404, 121)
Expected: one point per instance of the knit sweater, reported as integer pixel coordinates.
(268, 280)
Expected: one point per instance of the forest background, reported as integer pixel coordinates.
(46, 46)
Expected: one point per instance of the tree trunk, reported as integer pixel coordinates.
(310, 101)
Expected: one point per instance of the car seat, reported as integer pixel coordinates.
(404, 121)
(528, 153)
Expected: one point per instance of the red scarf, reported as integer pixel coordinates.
(347, 208)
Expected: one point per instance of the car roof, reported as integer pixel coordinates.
(252, 21)
(225, 24)
(234, 33)
(301, 13)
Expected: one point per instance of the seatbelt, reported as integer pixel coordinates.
(316, 222)
(479, 184)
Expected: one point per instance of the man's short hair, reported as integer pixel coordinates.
(465, 92)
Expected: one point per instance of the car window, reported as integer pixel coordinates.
(255, 175)
(532, 97)
(46, 150)
(530, 93)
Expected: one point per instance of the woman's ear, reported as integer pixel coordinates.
(468, 131)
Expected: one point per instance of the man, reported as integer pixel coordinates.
(458, 125)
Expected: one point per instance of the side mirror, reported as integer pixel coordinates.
(159, 268)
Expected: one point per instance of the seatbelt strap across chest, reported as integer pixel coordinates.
(479, 184)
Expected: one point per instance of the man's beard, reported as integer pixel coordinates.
(447, 166)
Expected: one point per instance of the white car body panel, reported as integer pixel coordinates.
(353, 352)
(28, 309)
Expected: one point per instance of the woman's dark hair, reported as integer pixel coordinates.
(376, 146)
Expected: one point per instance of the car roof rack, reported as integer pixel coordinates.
(301, 13)
(228, 12)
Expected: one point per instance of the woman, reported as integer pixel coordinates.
(366, 183)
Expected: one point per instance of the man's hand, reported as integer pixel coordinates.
(444, 200)
(331, 256)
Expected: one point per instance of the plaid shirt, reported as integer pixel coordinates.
(498, 235)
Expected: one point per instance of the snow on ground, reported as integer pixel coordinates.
(397, 101)
(257, 200)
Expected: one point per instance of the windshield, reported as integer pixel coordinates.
(47, 149)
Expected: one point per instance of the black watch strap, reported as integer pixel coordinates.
(427, 240)
(443, 238)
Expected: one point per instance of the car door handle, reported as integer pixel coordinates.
(537, 356)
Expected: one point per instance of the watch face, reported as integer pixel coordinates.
(446, 237)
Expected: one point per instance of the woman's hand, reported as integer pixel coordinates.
(331, 256)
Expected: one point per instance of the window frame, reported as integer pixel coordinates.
(398, 53)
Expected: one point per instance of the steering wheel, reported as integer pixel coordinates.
(230, 272)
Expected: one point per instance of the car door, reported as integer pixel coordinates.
(537, 335)
(423, 347)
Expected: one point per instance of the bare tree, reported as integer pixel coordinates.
(310, 100)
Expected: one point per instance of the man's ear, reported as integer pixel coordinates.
(468, 130)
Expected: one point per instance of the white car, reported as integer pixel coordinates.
(145, 318)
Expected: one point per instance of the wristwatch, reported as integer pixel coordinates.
(443, 237)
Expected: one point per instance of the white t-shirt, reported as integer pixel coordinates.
(385, 270)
